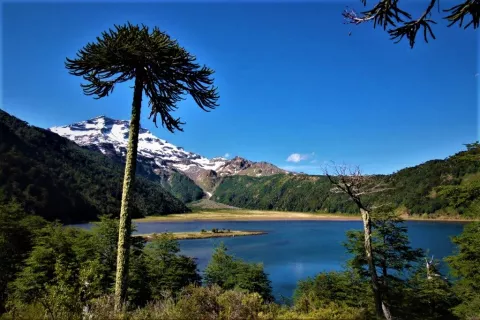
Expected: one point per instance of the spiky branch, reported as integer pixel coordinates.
(400, 24)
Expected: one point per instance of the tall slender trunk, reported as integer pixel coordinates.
(381, 308)
(125, 227)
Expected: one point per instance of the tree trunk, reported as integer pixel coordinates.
(125, 227)
(380, 307)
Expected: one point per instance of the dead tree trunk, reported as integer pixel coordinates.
(354, 185)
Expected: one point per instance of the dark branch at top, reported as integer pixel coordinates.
(388, 14)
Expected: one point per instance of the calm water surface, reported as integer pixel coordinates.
(295, 250)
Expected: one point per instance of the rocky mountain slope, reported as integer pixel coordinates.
(158, 156)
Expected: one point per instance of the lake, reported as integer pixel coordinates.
(295, 250)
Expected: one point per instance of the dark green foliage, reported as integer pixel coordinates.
(229, 272)
(69, 267)
(17, 231)
(56, 179)
(437, 186)
(406, 286)
(183, 188)
(56, 272)
(167, 271)
(423, 297)
(465, 266)
(392, 253)
(344, 288)
(282, 192)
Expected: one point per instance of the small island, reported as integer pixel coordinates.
(204, 234)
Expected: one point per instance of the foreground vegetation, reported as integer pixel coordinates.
(449, 187)
(50, 271)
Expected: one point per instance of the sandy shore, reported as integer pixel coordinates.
(206, 235)
(258, 215)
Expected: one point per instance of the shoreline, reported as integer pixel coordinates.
(257, 215)
(192, 235)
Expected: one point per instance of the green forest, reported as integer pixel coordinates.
(56, 179)
(437, 187)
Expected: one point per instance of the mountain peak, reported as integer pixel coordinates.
(110, 137)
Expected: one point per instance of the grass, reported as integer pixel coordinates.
(261, 215)
(205, 234)
(246, 215)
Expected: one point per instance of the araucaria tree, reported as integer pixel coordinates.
(355, 185)
(163, 71)
(400, 24)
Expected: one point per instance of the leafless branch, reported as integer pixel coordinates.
(349, 180)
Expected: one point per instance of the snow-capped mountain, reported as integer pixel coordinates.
(110, 137)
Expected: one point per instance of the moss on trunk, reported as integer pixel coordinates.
(125, 227)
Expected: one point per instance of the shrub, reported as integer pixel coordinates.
(228, 272)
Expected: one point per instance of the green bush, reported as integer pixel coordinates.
(228, 272)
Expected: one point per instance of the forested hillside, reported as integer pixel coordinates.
(450, 186)
(56, 179)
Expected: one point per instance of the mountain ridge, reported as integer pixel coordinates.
(53, 177)
(110, 137)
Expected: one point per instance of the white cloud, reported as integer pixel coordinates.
(297, 157)
(316, 168)
(308, 169)
(226, 155)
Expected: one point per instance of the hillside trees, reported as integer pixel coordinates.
(164, 72)
(389, 15)
(52, 177)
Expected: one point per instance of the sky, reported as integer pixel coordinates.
(295, 88)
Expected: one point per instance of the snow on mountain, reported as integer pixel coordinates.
(102, 131)
(110, 137)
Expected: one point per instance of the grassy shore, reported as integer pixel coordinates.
(206, 234)
(259, 215)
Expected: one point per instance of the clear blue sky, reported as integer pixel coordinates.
(290, 77)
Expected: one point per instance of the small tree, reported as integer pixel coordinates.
(229, 273)
(166, 269)
(392, 254)
(164, 72)
(400, 24)
(465, 265)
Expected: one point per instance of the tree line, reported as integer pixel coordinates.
(438, 187)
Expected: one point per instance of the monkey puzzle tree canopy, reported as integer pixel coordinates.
(400, 23)
(167, 70)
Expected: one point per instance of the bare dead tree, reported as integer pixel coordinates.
(350, 181)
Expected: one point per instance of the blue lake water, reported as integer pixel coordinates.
(295, 250)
